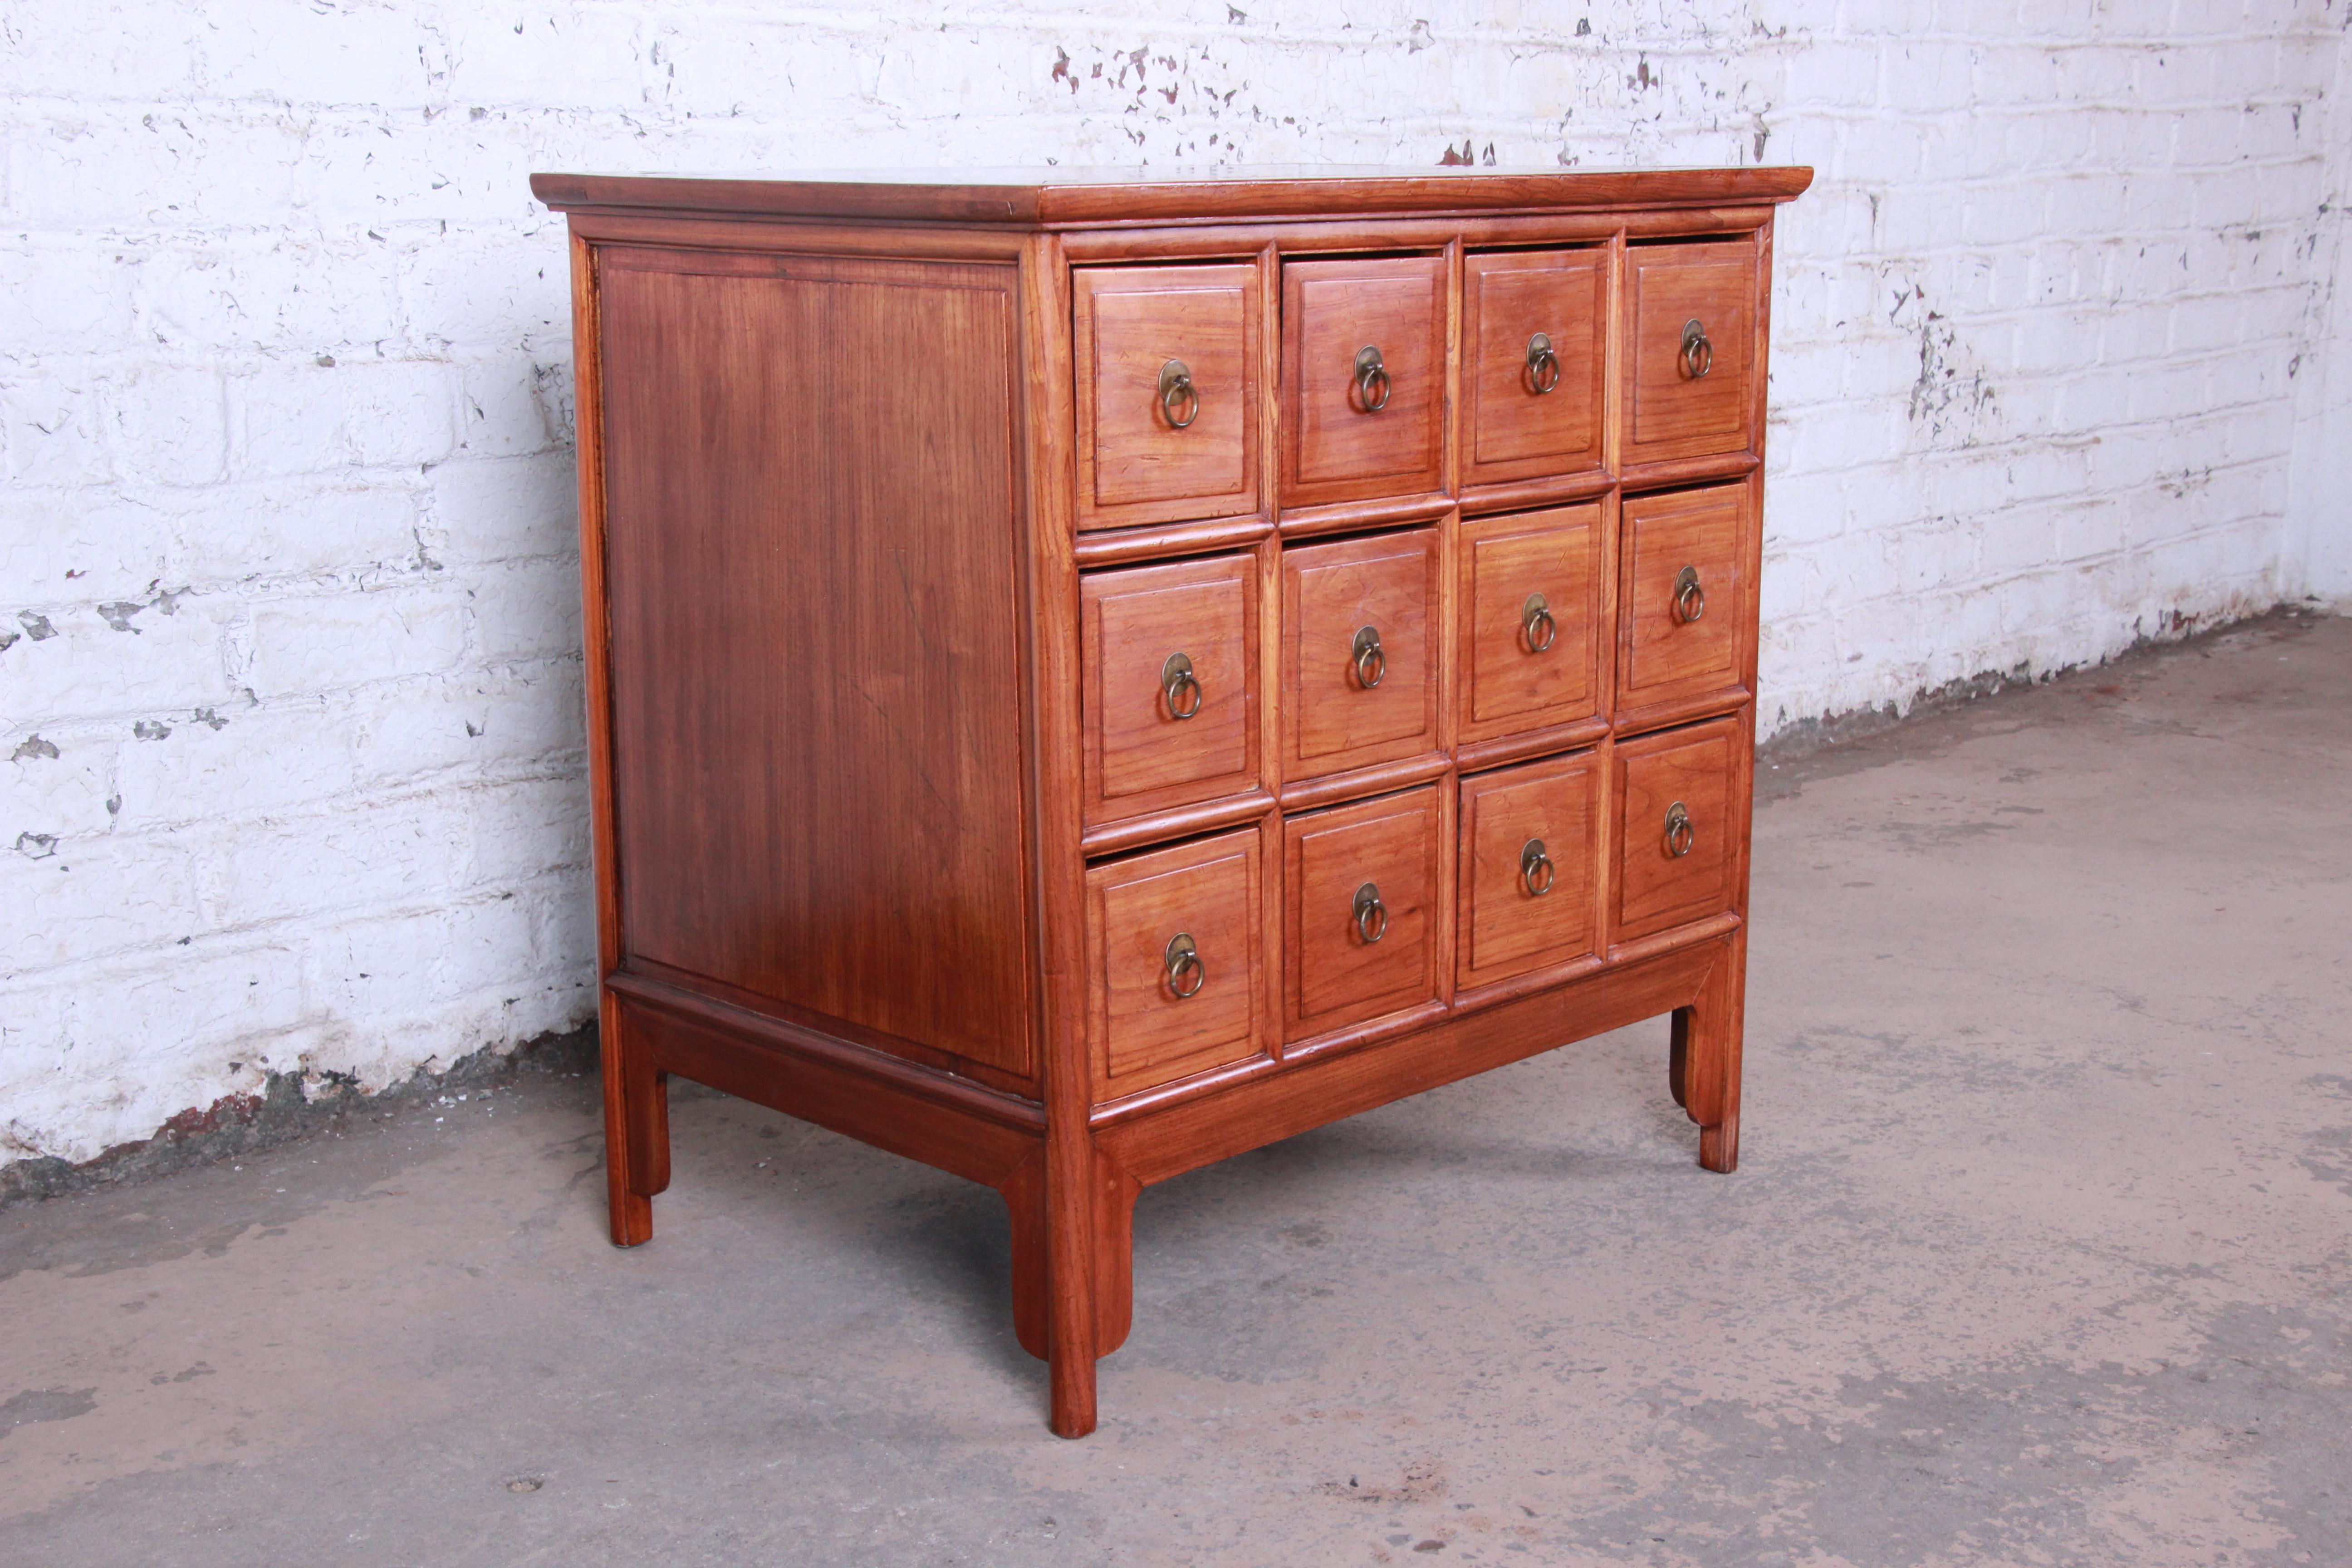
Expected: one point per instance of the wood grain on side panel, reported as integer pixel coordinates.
(811, 571)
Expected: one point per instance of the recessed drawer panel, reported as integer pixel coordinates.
(1359, 676)
(1171, 696)
(1360, 890)
(1167, 396)
(1533, 333)
(1693, 310)
(1531, 619)
(1683, 601)
(1175, 941)
(1364, 376)
(1530, 864)
(1679, 826)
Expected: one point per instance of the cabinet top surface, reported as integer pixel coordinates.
(1076, 196)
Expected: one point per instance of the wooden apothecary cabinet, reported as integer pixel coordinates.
(1090, 676)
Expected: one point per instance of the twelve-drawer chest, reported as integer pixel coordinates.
(1091, 675)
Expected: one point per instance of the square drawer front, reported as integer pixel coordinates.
(1359, 667)
(1167, 397)
(1535, 352)
(1681, 820)
(1683, 601)
(1175, 946)
(1170, 704)
(1530, 619)
(1529, 868)
(1364, 376)
(1692, 366)
(1360, 893)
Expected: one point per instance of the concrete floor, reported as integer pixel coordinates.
(2039, 1254)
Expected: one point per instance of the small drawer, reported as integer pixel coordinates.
(1175, 949)
(1535, 355)
(1361, 910)
(1683, 601)
(1692, 368)
(1360, 670)
(1530, 861)
(1167, 393)
(1531, 618)
(1680, 818)
(1363, 377)
(1170, 699)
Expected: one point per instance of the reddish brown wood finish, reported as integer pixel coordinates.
(1192, 453)
(892, 823)
(1158, 1016)
(1527, 419)
(1667, 878)
(1515, 916)
(813, 607)
(1346, 435)
(1144, 752)
(1689, 405)
(1676, 648)
(1333, 593)
(1347, 960)
(1529, 666)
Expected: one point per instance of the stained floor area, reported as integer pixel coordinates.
(2038, 1253)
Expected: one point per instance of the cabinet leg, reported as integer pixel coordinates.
(636, 1128)
(1024, 1204)
(1113, 1246)
(1115, 1195)
(1702, 1062)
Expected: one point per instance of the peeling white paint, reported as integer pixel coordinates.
(289, 682)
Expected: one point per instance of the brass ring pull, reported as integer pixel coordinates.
(1698, 353)
(1536, 870)
(1535, 624)
(1179, 687)
(1177, 391)
(1183, 960)
(1372, 661)
(1543, 366)
(1371, 915)
(1370, 371)
(1678, 830)
(1690, 599)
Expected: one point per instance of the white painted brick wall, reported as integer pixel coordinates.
(291, 683)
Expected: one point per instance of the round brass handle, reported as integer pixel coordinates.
(1371, 915)
(1183, 960)
(1371, 373)
(1690, 599)
(1535, 624)
(1372, 661)
(1678, 830)
(1534, 864)
(1177, 391)
(1698, 355)
(1179, 687)
(1543, 364)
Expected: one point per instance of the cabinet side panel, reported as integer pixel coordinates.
(816, 713)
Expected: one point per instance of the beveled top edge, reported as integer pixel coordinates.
(1026, 198)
